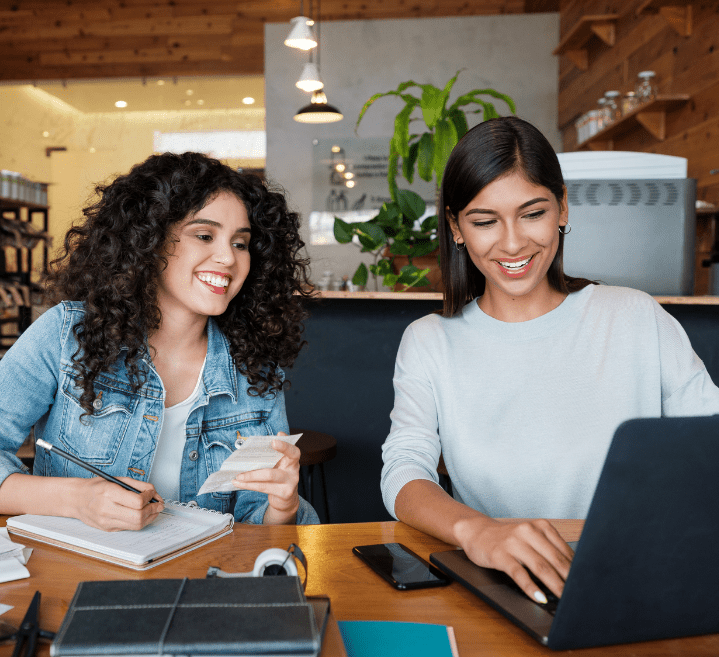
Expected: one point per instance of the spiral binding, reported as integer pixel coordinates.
(194, 505)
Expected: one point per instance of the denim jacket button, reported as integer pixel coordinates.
(193, 455)
(97, 404)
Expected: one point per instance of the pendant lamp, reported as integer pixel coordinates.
(318, 111)
(310, 78)
(300, 35)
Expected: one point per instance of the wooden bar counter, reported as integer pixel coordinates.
(356, 593)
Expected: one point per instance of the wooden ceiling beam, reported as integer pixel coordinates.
(66, 39)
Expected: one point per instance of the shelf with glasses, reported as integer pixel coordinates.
(677, 13)
(649, 116)
(574, 43)
(18, 239)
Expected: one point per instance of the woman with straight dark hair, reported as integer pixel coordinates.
(180, 301)
(522, 380)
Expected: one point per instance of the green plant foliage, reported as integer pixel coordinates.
(445, 125)
(391, 233)
(394, 231)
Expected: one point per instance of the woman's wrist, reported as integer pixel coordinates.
(276, 517)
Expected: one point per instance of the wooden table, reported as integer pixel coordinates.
(355, 591)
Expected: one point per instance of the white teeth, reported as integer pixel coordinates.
(515, 265)
(213, 279)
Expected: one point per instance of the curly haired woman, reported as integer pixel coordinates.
(182, 300)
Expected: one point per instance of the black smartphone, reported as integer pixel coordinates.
(401, 567)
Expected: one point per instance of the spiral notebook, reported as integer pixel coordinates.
(178, 529)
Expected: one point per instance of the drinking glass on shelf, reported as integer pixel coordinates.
(629, 102)
(602, 120)
(613, 110)
(646, 88)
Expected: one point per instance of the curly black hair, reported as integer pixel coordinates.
(113, 260)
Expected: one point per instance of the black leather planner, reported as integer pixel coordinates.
(203, 617)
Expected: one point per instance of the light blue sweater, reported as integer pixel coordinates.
(524, 412)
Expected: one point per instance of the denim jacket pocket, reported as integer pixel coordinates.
(96, 438)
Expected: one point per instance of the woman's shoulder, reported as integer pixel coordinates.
(615, 294)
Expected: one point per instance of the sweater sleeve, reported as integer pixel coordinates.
(412, 449)
(687, 388)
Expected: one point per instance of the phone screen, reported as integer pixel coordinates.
(401, 567)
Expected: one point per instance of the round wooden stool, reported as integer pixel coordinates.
(316, 448)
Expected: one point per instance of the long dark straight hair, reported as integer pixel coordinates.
(489, 151)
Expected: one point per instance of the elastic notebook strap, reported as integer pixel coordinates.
(171, 615)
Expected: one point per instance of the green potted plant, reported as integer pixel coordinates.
(393, 232)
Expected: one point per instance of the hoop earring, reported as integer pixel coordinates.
(457, 245)
(567, 229)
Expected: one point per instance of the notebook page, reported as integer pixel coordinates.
(172, 529)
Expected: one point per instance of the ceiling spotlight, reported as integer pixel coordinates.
(336, 149)
(121, 103)
(160, 82)
(200, 102)
(318, 111)
(248, 100)
(350, 183)
(300, 35)
(188, 102)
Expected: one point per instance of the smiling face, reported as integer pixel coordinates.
(511, 232)
(208, 260)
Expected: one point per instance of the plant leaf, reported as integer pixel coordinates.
(397, 92)
(432, 104)
(392, 172)
(429, 224)
(360, 276)
(423, 248)
(343, 231)
(445, 139)
(411, 205)
(371, 230)
(459, 118)
(390, 280)
(425, 156)
(400, 139)
(400, 248)
(472, 97)
(408, 163)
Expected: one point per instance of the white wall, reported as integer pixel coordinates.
(512, 54)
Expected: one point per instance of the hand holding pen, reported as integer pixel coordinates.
(104, 503)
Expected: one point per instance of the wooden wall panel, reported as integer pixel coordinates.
(684, 64)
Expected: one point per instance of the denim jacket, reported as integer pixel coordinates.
(37, 388)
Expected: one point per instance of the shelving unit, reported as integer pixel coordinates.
(18, 239)
(677, 13)
(650, 116)
(573, 45)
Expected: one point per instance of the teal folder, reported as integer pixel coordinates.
(394, 639)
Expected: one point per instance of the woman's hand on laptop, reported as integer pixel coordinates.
(513, 546)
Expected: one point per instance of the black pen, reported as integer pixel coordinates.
(87, 466)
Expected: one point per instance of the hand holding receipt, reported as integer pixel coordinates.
(252, 453)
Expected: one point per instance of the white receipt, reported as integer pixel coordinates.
(253, 454)
(13, 558)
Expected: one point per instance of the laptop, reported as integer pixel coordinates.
(646, 566)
